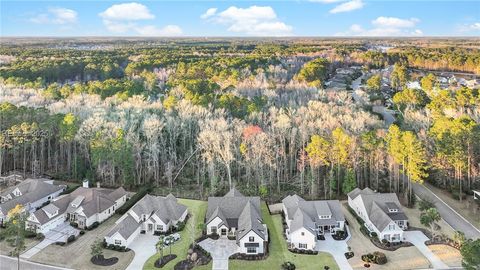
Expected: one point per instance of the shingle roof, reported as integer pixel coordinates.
(92, 201)
(306, 214)
(165, 208)
(125, 228)
(32, 190)
(354, 193)
(238, 211)
(377, 205)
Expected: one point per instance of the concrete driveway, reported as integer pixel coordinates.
(144, 247)
(58, 234)
(452, 217)
(337, 249)
(418, 238)
(9, 263)
(220, 250)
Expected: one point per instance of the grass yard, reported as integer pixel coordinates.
(279, 252)
(197, 210)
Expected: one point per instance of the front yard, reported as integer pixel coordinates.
(279, 252)
(197, 210)
(76, 255)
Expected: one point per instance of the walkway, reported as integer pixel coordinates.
(337, 249)
(9, 263)
(418, 239)
(220, 250)
(452, 217)
(144, 247)
(58, 234)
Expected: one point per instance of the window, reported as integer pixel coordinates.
(118, 242)
(303, 233)
(400, 223)
(391, 226)
(214, 229)
(109, 211)
(159, 227)
(300, 245)
(251, 239)
(251, 250)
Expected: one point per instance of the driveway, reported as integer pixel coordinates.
(418, 238)
(450, 216)
(220, 250)
(144, 247)
(58, 234)
(337, 249)
(8, 263)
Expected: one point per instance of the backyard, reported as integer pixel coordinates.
(279, 252)
(197, 210)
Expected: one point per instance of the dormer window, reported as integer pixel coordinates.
(392, 210)
(325, 217)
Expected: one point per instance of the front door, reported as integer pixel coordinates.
(150, 227)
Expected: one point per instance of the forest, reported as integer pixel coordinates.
(207, 116)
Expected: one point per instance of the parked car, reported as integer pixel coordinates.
(172, 239)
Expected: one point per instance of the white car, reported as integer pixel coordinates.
(172, 238)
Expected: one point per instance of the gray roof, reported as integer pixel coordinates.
(354, 193)
(238, 211)
(306, 214)
(166, 208)
(125, 228)
(32, 190)
(377, 205)
(92, 200)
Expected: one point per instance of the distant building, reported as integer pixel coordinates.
(381, 212)
(83, 207)
(151, 215)
(30, 194)
(240, 217)
(306, 220)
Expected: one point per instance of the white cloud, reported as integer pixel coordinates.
(475, 26)
(394, 22)
(56, 15)
(327, 1)
(209, 13)
(254, 21)
(127, 11)
(125, 18)
(347, 6)
(386, 26)
(151, 30)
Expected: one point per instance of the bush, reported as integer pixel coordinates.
(288, 266)
(134, 199)
(71, 238)
(180, 226)
(93, 226)
(374, 234)
(39, 236)
(30, 234)
(82, 232)
(380, 258)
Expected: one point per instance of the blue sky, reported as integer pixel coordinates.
(240, 18)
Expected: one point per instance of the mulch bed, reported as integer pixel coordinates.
(340, 237)
(161, 263)
(203, 258)
(100, 260)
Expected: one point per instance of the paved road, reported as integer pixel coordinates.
(418, 239)
(144, 247)
(454, 219)
(9, 263)
(220, 250)
(337, 249)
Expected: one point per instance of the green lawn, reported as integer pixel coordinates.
(279, 252)
(196, 209)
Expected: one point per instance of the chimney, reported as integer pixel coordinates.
(85, 183)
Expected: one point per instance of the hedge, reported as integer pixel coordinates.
(134, 199)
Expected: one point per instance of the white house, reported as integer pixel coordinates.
(83, 207)
(151, 215)
(30, 193)
(306, 220)
(381, 212)
(239, 217)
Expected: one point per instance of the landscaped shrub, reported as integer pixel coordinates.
(374, 234)
(71, 238)
(180, 226)
(39, 236)
(288, 266)
(380, 258)
(93, 226)
(30, 234)
(82, 232)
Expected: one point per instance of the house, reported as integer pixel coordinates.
(151, 215)
(307, 220)
(239, 217)
(476, 194)
(83, 207)
(30, 193)
(382, 213)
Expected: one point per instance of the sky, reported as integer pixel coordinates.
(240, 18)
